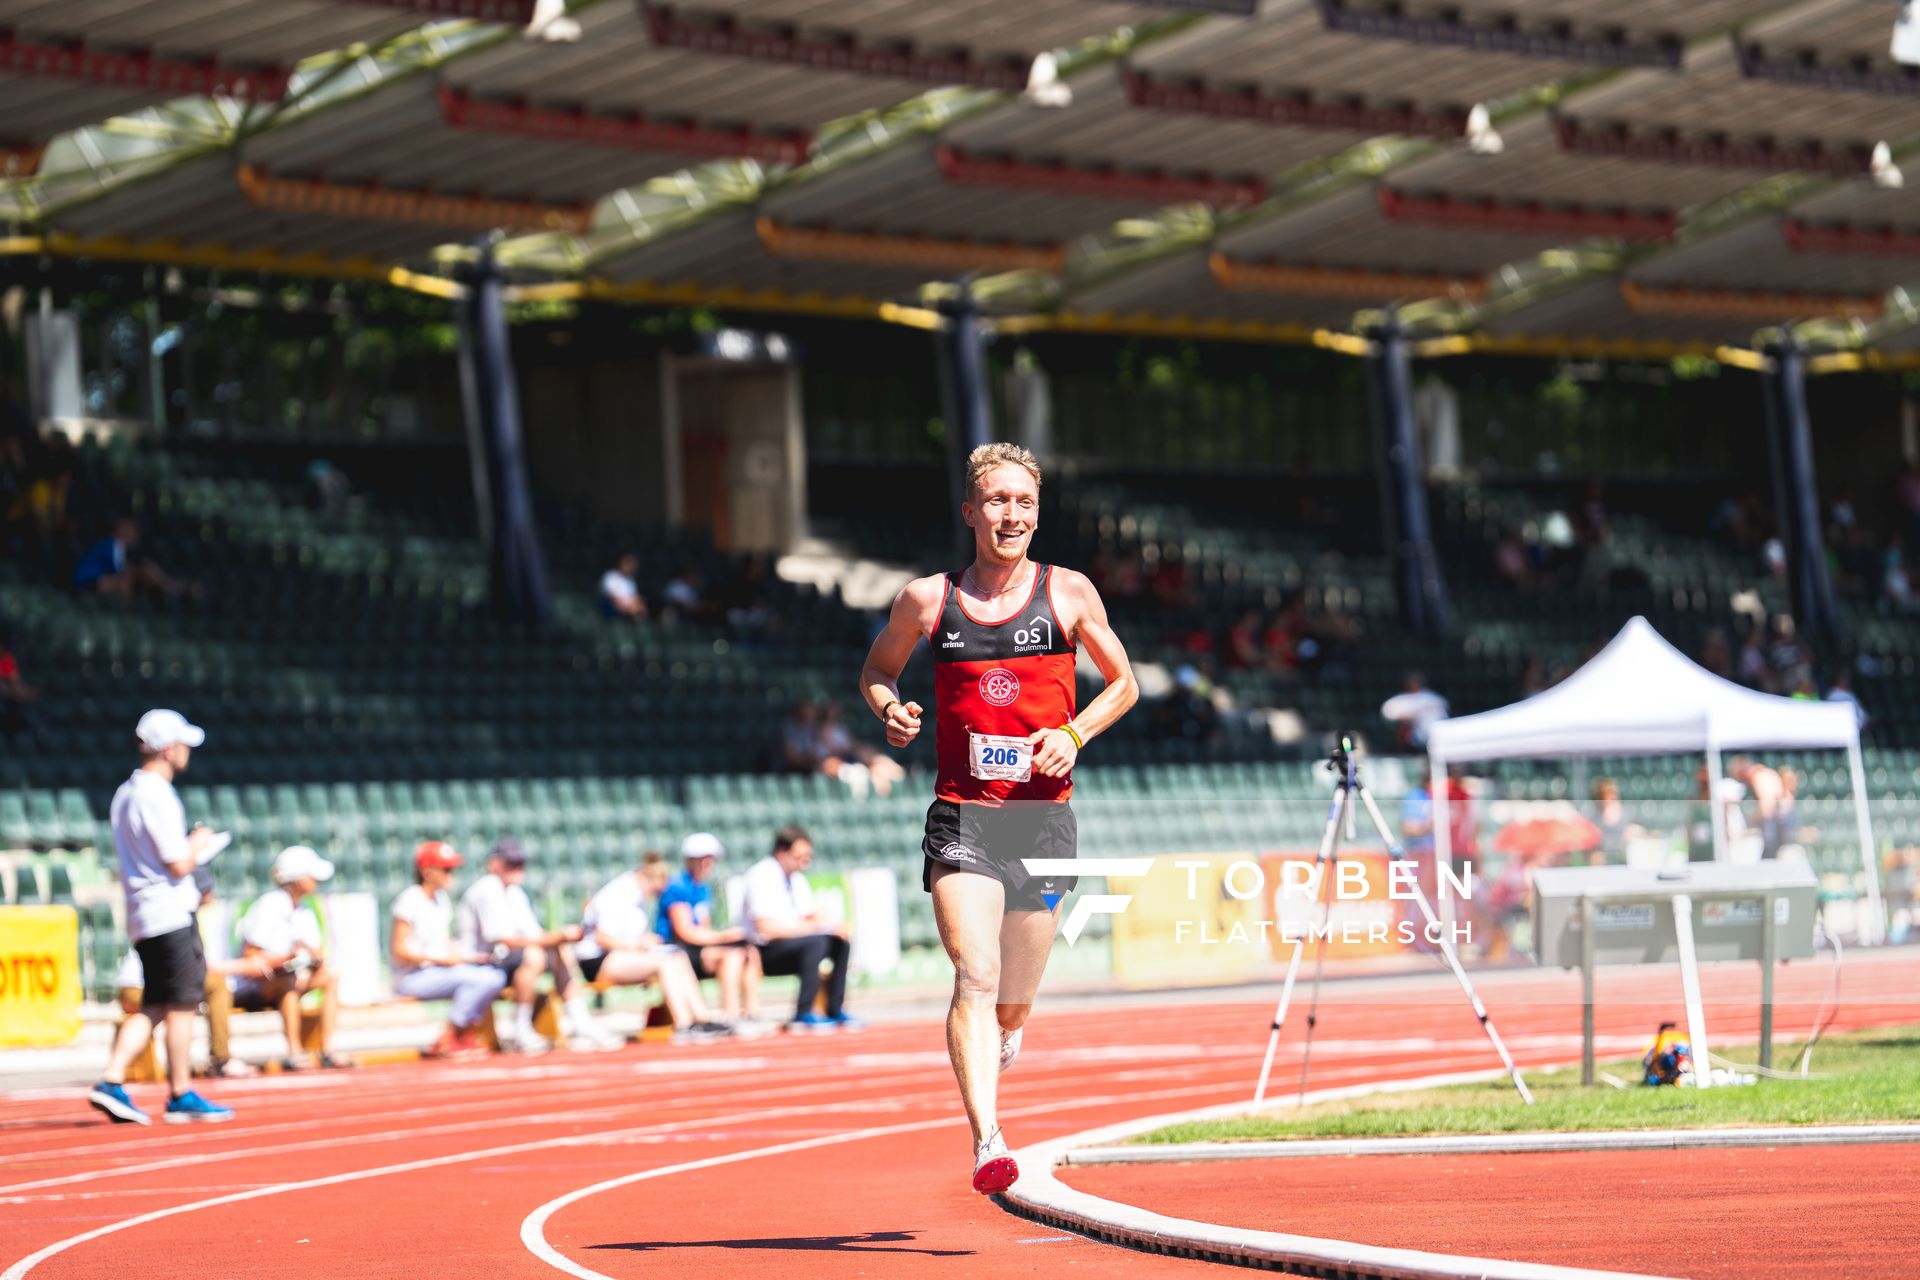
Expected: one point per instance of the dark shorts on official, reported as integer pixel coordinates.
(175, 965)
(693, 951)
(995, 840)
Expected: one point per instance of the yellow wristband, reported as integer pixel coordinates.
(1067, 729)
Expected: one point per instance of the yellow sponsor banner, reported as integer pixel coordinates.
(1182, 927)
(39, 975)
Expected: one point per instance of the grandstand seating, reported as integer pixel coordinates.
(359, 698)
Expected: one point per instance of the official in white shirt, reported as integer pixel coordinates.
(794, 938)
(157, 857)
(497, 917)
(621, 946)
(281, 932)
(428, 965)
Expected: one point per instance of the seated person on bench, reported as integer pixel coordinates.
(497, 918)
(685, 916)
(281, 935)
(621, 947)
(426, 963)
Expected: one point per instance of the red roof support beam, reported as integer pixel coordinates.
(1104, 182)
(20, 159)
(879, 248)
(516, 13)
(1611, 45)
(1528, 217)
(1847, 237)
(1306, 281)
(1643, 299)
(1193, 97)
(627, 131)
(379, 203)
(1667, 145)
(671, 29)
(173, 77)
(1818, 69)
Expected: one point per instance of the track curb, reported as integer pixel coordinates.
(1042, 1197)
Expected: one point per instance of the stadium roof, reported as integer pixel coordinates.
(1546, 174)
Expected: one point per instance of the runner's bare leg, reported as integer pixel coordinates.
(1026, 940)
(968, 908)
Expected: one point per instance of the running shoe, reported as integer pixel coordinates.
(191, 1108)
(1009, 1047)
(530, 1043)
(810, 1022)
(459, 1044)
(112, 1100)
(591, 1039)
(336, 1062)
(752, 1028)
(231, 1069)
(993, 1169)
(847, 1022)
(703, 1033)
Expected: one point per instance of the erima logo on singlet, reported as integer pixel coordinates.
(1036, 635)
(953, 641)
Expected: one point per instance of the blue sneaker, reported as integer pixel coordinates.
(191, 1108)
(113, 1100)
(810, 1022)
(847, 1022)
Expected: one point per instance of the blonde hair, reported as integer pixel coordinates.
(1000, 454)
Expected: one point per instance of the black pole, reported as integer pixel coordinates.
(517, 572)
(1797, 494)
(960, 344)
(1403, 487)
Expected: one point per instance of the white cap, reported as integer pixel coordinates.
(702, 844)
(297, 862)
(160, 729)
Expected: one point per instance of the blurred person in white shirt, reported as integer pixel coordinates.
(427, 965)
(281, 934)
(792, 937)
(497, 918)
(619, 593)
(621, 947)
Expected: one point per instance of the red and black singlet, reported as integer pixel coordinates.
(995, 683)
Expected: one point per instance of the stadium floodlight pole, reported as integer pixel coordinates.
(1399, 854)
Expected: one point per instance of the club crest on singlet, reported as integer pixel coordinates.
(995, 685)
(1000, 687)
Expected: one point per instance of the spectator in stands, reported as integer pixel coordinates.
(1610, 816)
(1841, 690)
(328, 489)
(792, 937)
(497, 918)
(1414, 709)
(846, 759)
(621, 946)
(17, 697)
(157, 857)
(743, 599)
(1172, 588)
(130, 983)
(619, 594)
(427, 965)
(281, 935)
(1772, 804)
(1787, 656)
(110, 568)
(800, 738)
(1243, 648)
(685, 918)
(1511, 561)
(1896, 587)
(686, 595)
(1750, 667)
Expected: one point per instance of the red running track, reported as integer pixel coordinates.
(835, 1156)
(1756, 1214)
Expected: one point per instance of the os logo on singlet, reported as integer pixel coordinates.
(1000, 687)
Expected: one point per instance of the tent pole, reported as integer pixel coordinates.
(1873, 929)
(1720, 852)
(1442, 836)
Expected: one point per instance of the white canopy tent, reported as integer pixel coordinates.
(1642, 696)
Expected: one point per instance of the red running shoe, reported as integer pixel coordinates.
(993, 1169)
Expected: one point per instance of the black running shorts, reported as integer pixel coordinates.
(175, 965)
(994, 840)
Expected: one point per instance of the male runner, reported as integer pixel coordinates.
(1004, 635)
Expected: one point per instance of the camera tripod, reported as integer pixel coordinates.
(1342, 764)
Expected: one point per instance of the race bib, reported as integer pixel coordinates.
(998, 759)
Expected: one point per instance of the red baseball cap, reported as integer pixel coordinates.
(436, 853)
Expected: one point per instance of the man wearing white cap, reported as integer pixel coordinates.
(281, 934)
(157, 858)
